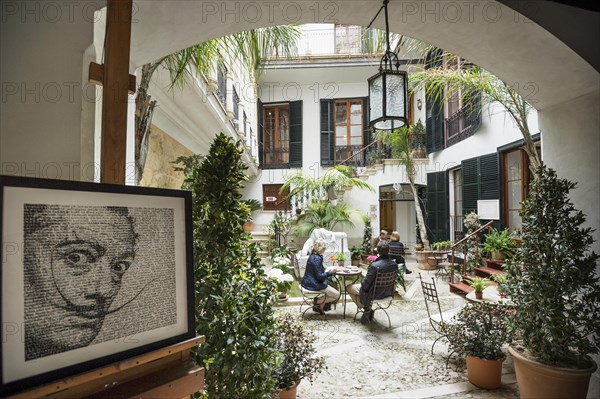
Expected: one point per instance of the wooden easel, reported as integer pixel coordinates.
(164, 373)
(167, 372)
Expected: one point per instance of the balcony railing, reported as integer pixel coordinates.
(351, 155)
(276, 158)
(463, 123)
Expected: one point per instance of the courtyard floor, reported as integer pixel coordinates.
(375, 362)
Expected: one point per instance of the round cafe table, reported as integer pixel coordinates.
(343, 274)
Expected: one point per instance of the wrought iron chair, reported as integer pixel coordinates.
(308, 298)
(437, 318)
(382, 281)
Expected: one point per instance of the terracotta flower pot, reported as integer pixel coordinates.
(248, 226)
(484, 373)
(478, 295)
(537, 380)
(289, 393)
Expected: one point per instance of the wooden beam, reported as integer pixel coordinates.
(115, 88)
(96, 76)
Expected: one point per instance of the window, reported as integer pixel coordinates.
(344, 131)
(276, 136)
(273, 200)
(457, 217)
(348, 128)
(280, 135)
(236, 110)
(515, 176)
(222, 87)
(348, 39)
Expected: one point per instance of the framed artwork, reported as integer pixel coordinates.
(91, 274)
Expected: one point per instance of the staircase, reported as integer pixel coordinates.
(262, 239)
(491, 268)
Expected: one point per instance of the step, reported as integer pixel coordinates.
(495, 264)
(370, 172)
(485, 271)
(363, 177)
(460, 288)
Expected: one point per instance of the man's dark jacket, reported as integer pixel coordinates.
(383, 264)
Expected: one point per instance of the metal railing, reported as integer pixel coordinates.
(464, 240)
(358, 157)
(276, 158)
(463, 123)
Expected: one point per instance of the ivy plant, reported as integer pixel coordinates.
(553, 280)
(234, 297)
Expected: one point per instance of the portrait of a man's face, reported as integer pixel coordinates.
(75, 260)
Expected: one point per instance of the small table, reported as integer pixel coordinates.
(440, 257)
(343, 274)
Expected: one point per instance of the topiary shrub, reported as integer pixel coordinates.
(234, 297)
(552, 280)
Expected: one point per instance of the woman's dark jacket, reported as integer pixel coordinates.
(315, 276)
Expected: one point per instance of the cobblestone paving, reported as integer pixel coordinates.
(372, 361)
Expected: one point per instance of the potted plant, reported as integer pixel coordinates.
(553, 283)
(479, 284)
(499, 244)
(356, 253)
(478, 332)
(367, 236)
(341, 258)
(283, 281)
(442, 245)
(500, 279)
(298, 358)
(253, 206)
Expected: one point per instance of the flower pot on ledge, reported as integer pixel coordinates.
(289, 393)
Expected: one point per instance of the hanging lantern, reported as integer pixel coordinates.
(388, 89)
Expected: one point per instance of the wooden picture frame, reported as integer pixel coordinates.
(91, 274)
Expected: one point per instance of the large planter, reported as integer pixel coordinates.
(289, 393)
(484, 373)
(537, 380)
(498, 255)
(423, 260)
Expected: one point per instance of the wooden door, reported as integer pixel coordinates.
(386, 215)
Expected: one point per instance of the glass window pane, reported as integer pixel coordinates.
(341, 141)
(356, 130)
(514, 194)
(356, 140)
(514, 220)
(513, 165)
(341, 131)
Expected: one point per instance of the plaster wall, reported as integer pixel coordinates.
(44, 53)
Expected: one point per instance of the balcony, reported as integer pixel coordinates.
(463, 123)
(276, 158)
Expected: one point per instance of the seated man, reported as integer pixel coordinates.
(361, 293)
(383, 235)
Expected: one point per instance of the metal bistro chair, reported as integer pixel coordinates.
(308, 298)
(382, 280)
(437, 319)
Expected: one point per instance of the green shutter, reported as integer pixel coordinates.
(438, 206)
(481, 181)
(434, 107)
(327, 143)
(259, 125)
(366, 128)
(295, 134)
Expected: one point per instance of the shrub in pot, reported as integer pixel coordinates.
(298, 359)
(553, 284)
(479, 284)
(253, 205)
(499, 244)
(478, 332)
(356, 253)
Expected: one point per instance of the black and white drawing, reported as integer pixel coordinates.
(75, 266)
(91, 274)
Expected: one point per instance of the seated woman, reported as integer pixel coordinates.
(315, 277)
(397, 248)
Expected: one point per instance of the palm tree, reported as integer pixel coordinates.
(325, 214)
(335, 179)
(475, 83)
(250, 48)
(399, 141)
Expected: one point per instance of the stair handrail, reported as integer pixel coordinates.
(357, 153)
(488, 224)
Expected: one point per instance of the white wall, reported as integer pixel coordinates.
(497, 129)
(44, 87)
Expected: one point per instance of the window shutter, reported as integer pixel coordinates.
(438, 206)
(481, 181)
(434, 122)
(295, 134)
(327, 132)
(366, 128)
(259, 123)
